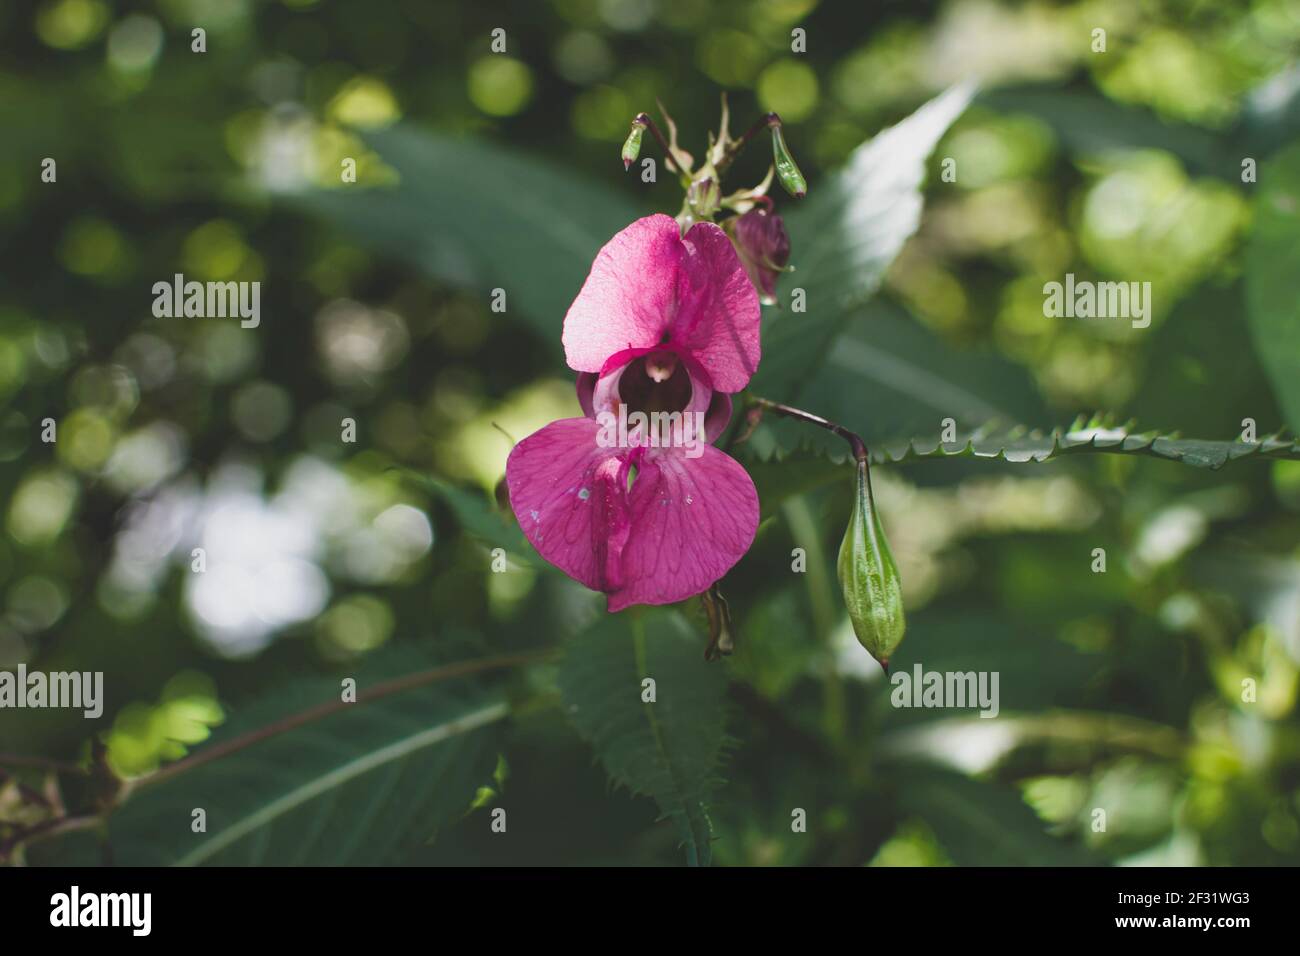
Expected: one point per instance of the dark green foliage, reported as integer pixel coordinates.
(668, 748)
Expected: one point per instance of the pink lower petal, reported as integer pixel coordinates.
(570, 496)
(692, 519)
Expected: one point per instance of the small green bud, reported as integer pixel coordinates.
(786, 169)
(704, 198)
(632, 145)
(872, 589)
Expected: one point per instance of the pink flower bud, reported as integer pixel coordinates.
(763, 246)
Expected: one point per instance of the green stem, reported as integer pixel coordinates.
(767, 121)
(819, 581)
(860, 452)
(643, 120)
(821, 595)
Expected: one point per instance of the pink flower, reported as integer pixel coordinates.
(664, 324)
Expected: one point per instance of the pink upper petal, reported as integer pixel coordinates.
(692, 519)
(649, 285)
(718, 315)
(628, 300)
(570, 496)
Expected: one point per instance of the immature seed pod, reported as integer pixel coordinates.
(786, 169)
(872, 589)
(632, 145)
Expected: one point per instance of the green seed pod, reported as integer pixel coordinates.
(872, 589)
(632, 145)
(786, 169)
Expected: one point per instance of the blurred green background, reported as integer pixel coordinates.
(324, 559)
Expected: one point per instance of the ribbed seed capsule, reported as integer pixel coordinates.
(872, 589)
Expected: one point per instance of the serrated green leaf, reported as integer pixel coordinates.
(1272, 261)
(1086, 437)
(887, 375)
(1015, 444)
(669, 749)
(362, 785)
